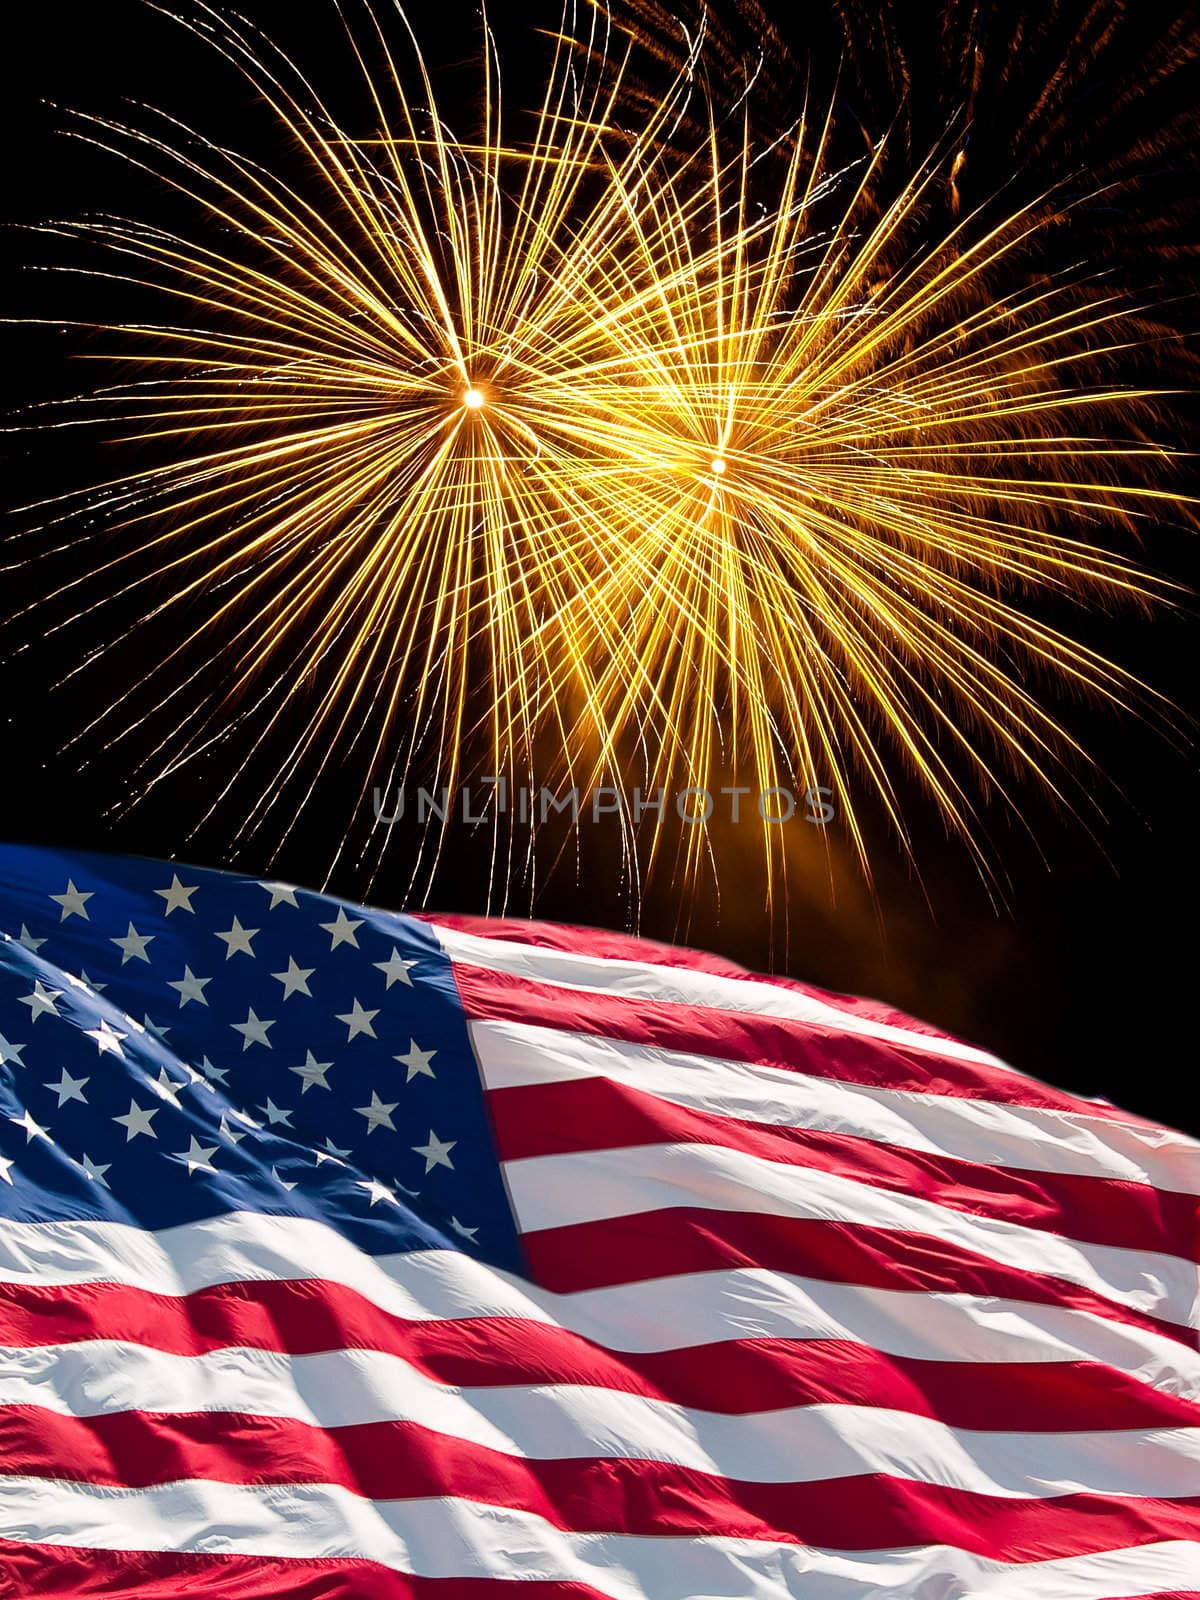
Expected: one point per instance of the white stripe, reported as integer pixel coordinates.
(753, 1303)
(643, 980)
(450, 1538)
(658, 1314)
(549, 1422)
(593, 1185)
(1023, 1138)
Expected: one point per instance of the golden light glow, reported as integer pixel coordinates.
(927, 441)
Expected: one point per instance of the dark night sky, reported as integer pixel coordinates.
(1084, 979)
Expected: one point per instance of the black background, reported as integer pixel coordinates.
(1087, 976)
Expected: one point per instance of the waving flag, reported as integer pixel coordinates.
(351, 1254)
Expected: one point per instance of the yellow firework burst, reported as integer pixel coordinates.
(568, 451)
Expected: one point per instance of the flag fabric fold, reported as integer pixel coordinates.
(349, 1253)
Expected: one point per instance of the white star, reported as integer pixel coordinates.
(33, 1129)
(194, 1077)
(177, 897)
(152, 1027)
(282, 1182)
(417, 1060)
(244, 1116)
(377, 1114)
(73, 902)
(6, 1167)
(254, 1029)
(276, 1114)
(29, 941)
(95, 1172)
(41, 1001)
(136, 1120)
(197, 1157)
(10, 1052)
(237, 940)
(133, 945)
(88, 985)
(312, 1072)
(330, 1152)
(213, 1074)
(436, 1152)
(466, 1233)
(396, 968)
(166, 1087)
(378, 1191)
(231, 1134)
(284, 892)
(358, 1021)
(341, 930)
(295, 979)
(107, 1039)
(190, 987)
(69, 1088)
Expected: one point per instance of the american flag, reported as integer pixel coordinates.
(352, 1254)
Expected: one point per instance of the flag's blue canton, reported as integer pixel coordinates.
(176, 1042)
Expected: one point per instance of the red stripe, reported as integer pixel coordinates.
(624, 947)
(400, 1460)
(56, 1572)
(599, 1114)
(657, 1244)
(605, 945)
(734, 1377)
(816, 1050)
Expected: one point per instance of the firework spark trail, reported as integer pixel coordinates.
(694, 461)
